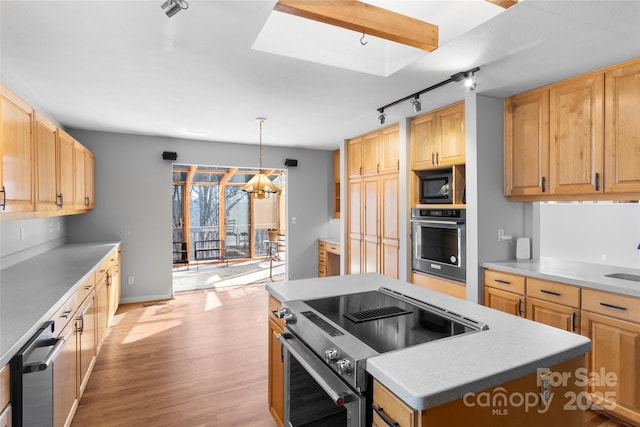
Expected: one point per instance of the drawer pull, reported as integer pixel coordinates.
(573, 321)
(520, 306)
(381, 414)
(66, 314)
(617, 307)
(557, 294)
(504, 282)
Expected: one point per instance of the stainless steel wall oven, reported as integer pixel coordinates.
(439, 242)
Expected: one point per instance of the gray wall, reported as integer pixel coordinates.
(602, 233)
(133, 202)
(487, 207)
(23, 239)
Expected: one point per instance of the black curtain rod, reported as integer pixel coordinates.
(455, 78)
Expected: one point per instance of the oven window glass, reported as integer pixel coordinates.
(439, 244)
(309, 404)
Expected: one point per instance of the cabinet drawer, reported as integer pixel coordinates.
(321, 245)
(504, 281)
(554, 292)
(86, 288)
(334, 249)
(613, 305)
(4, 386)
(64, 314)
(393, 408)
(274, 306)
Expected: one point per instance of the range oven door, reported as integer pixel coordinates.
(314, 395)
(439, 248)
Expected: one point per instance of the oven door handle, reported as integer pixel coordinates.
(318, 371)
(428, 221)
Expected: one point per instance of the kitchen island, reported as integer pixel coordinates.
(457, 369)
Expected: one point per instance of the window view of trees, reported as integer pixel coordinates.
(218, 210)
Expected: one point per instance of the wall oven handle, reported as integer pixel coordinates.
(308, 361)
(57, 344)
(427, 221)
(379, 411)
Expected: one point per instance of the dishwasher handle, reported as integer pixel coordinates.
(57, 344)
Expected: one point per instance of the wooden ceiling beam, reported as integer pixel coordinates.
(366, 18)
(504, 3)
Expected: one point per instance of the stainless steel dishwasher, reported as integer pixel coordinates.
(32, 379)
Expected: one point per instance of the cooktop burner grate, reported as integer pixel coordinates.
(375, 314)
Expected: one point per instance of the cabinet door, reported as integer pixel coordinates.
(576, 136)
(370, 156)
(452, 135)
(114, 288)
(102, 309)
(86, 341)
(424, 140)
(276, 365)
(65, 388)
(66, 164)
(89, 180)
(371, 225)
(390, 236)
(354, 157)
(615, 352)
(336, 184)
(354, 251)
(17, 161)
(389, 154)
(504, 301)
(556, 315)
(46, 137)
(79, 180)
(622, 129)
(526, 144)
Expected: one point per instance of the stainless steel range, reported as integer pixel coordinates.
(328, 341)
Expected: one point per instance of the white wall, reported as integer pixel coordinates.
(133, 202)
(23, 239)
(602, 233)
(487, 207)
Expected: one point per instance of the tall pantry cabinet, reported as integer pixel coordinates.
(372, 203)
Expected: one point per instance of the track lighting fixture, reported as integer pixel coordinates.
(382, 117)
(171, 7)
(417, 105)
(468, 76)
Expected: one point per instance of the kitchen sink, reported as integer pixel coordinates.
(624, 276)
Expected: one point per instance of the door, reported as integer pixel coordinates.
(452, 138)
(576, 136)
(424, 139)
(526, 144)
(622, 129)
(64, 378)
(47, 165)
(355, 227)
(370, 147)
(371, 225)
(86, 341)
(556, 315)
(66, 163)
(354, 157)
(390, 238)
(388, 152)
(89, 180)
(507, 302)
(79, 180)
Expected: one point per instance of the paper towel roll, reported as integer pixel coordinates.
(523, 248)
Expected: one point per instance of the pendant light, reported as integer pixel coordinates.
(260, 185)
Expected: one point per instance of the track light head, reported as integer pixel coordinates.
(470, 80)
(171, 7)
(417, 105)
(382, 117)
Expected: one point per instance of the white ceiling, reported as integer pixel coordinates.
(123, 66)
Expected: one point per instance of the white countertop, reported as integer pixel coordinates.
(431, 374)
(330, 240)
(33, 290)
(583, 274)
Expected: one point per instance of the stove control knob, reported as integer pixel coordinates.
(288, 317)
(344, 367)
(331, 355)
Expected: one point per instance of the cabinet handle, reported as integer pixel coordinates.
(60, 202)
(437, 158)
(433, 161)
(81, 324)
(617, 307)
(520, 306)
(379, 411)
(543, 182)
(573, 321)
(557, 294)
(378, 168)
(398, 164)
(360, 170)
(597, 181)
(66, 314)
(504, 282)
(87, 200)
(4, 198)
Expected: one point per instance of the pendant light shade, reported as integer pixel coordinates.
(260, 185)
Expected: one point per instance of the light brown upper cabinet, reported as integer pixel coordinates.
(66, 153)
(17, 151)
(622, 129)
(578, 139)
(526, 148)
(374, 153)
(336, 184)
(354, 155)
(46, 135)
(438, 138)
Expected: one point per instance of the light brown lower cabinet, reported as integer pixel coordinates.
(474, 409)
(276, 364)
(448, 287)
(65, 371)
(87, 340)
(507, 302)
(5, 407)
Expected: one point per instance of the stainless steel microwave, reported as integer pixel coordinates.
(436, 188)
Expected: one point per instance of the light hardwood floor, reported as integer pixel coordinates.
(198, 360)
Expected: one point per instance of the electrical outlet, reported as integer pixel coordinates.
(21, 233)
(51, 227)
(544, 381)
(131, 280)
(500, 234)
